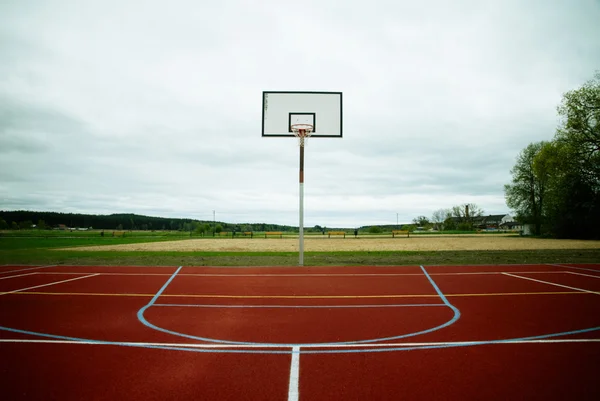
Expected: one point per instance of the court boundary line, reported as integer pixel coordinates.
(574, 267)
(46, 285)
(31, 268)
(297, 306)
(582, 274)
(270, 350)
(18, 275)
(205, 296)
(308, 274)
(241, 346)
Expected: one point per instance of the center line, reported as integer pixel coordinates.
(293, 392)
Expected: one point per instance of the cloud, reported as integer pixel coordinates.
(132, 106)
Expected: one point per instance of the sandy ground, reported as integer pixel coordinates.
(319, 244)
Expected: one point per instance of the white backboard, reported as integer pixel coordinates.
(323, 110)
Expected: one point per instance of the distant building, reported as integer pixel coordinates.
(491, 222)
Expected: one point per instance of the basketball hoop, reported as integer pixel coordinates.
(302, 131)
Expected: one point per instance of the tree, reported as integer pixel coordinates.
(439, 217)
(14, 225)
(571, 205)
(527, 192)
(463, 215)
(375, 230)
(580, 128)
(3, 224)
(41, 225)
(218, 228)
(421, 221)
(450, 224)
(26, 225)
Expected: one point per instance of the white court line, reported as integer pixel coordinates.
(31, 268)
(294, 388)
(557, 285)
(18, 275)
(46, 285)
(304, 275)
(275, 346)
(581, 274)
(574, 267)
(297, 306)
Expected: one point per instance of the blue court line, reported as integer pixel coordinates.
(142, 319)
(469, 344)
(125, 344)
(437, 289)
(164, 287)
(443, 297)
(297, 306)
(276, 345)
(271, 351)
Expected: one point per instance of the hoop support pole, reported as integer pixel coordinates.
(301, 210)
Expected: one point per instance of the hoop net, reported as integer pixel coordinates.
(302, 131)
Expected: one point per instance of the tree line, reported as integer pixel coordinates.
(555, 184)
(462, 217)
(24, 219)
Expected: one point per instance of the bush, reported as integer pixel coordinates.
(375, 230)
(465, 227)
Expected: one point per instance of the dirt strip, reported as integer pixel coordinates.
(424, 243)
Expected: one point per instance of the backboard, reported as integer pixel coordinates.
(323, 110)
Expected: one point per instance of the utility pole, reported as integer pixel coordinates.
(214, 223)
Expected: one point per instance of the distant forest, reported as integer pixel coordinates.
(23, 219)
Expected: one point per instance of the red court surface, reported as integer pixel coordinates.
(503, 332)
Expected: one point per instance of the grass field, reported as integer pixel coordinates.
(75, 248)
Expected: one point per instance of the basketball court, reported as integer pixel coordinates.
(289, 333)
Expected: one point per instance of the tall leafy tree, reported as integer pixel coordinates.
(580, 129)
(572, 203)
(527, 192)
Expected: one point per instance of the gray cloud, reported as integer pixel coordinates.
(130, 106)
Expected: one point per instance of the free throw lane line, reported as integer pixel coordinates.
(550, 283)
(46, 285)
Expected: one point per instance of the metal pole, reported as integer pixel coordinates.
(301, 217)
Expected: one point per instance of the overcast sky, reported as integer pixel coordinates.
(154, 107)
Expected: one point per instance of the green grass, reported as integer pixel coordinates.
(11, 243)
